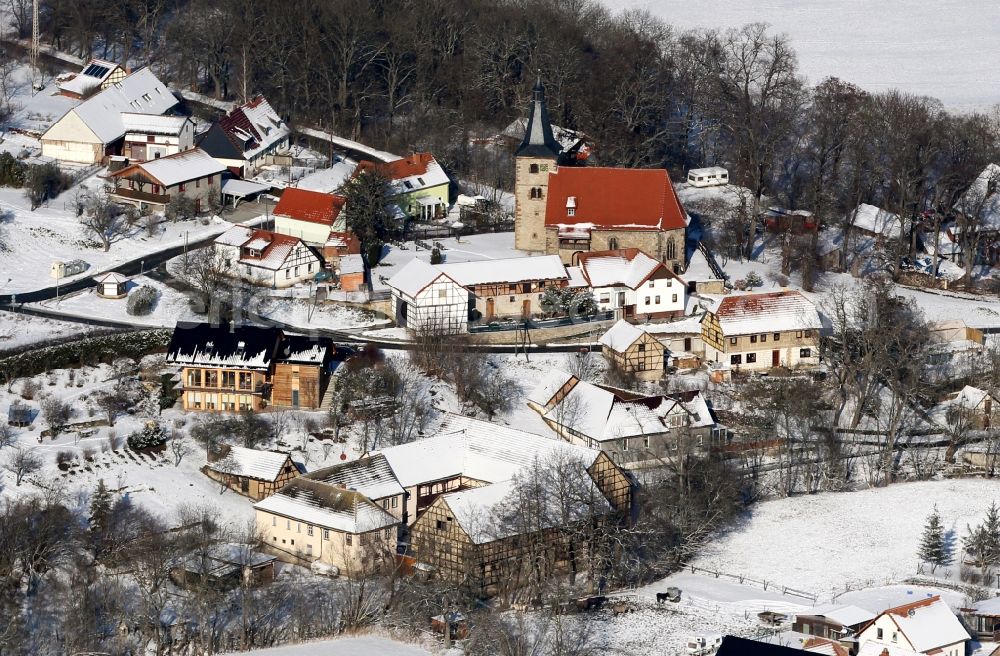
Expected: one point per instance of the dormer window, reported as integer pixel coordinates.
(421, 181)
(571, 206)
(407, 184)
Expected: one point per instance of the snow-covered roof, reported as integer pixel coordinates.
(303, 350)
(352, 264)
(414, 277)
(475, 449)
(314, 502)
(153, 124)
(688, 326)
(629, 267)
(110, 276)
(987, 606)
(370, 476)
(506, 270)
(845, 615)
(243, 347)
(576, 279)
(876, 220)
(254, 127)
(744, 314)
(406, 175)
(252, 463)
(927, 624)
(180, 167)
(235, 236)
(494, 512)
(621, 336)
(139, 93)
(236, 187)
(91, 77)
(601, 414)
(982, 198)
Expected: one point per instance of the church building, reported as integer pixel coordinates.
(568, 210)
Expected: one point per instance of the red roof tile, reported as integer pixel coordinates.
(312, 206)
(606, 197)
(415, 164)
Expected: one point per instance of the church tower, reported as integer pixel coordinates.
(536, 157)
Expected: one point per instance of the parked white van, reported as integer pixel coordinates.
(703, 645)
(713, 176)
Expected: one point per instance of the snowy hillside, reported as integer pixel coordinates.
(941, 49)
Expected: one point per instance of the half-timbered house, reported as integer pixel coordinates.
(633, 285)
(267, 258)
(251, 472)
(509, 287)
(425, 299)
(633, 350)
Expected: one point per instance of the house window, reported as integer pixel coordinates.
(440, 524)
(395, 501)
(156, 189)
(296, 272)
(657, 300)
(183, 187)
(288, 525)
(326, 534)
(150, 139)
(642, 347)
(613, 244)
(309, 550)
(736, 359)
(211, 180)
(570, 211)
(309, 530)
(348, 539)
(751, 358)
(647, 300)
(805, 353)
(385, 503)
(442, 293)
(753, 339)
(808, 333)
(229, 379)
(878, 634)
(651, 284)
(298, 527)
(763, 338)
(645, 441)
(274, 521)
(605, 298)
(776, 337)
(309, 268)
(671, 250)
(642, 365)
(798, 333)
(732, 340)
(625, 444)
(288, 274)
(673, 299)
(511, 299)
(533, 168)
(197, 183)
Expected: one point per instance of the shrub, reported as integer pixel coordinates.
(149, 437)
(142, 301)
(44, 182)
(753, 279)
(436, 257)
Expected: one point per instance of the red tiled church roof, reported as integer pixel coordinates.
(610, 197)
(312, 206)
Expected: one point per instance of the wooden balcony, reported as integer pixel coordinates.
(141, 196)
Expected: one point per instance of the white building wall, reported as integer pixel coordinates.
(669, 291)
(307, 231)
(441, 306)
(789, 356)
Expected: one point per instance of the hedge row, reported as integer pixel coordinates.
(85, 351)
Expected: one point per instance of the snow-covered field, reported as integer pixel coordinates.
(33, 240)
(827, 542)
(363, 646)
(943, 49)
(171, 305)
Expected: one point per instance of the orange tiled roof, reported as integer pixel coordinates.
(312, 206)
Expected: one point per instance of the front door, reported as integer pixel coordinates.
(687, 344)
(621, 299)
(526, 308)
(490, 308)
(775, 358)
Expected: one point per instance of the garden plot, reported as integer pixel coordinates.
(17, 330)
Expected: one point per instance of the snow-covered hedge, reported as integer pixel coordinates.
(151, 436)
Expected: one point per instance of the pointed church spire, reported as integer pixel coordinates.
(538, 139)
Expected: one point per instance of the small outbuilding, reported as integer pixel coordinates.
(19, 414)
(633, 350)
(251, 472)
(111, 285)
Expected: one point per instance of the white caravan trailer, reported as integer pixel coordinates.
(713, 176)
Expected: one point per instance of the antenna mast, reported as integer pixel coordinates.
(35, 83)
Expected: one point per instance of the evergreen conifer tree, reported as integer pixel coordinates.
(100, 507)
(934, 548)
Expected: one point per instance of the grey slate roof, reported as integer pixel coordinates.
(538, 138)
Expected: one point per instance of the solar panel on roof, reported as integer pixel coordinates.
(96, 70)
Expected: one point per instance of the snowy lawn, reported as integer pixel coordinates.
(171, 305)
(940, 49)
(827, 543)
(18, 330)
